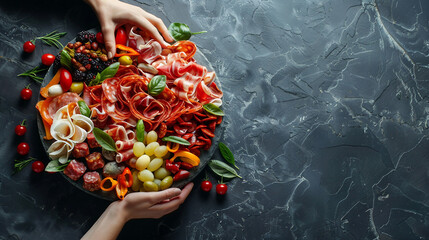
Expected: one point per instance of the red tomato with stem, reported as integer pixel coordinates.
(21, 129)
(29, 47)
(65, 79)
(26, 93)
(206, 186)
(48, 59)
(38, 166)
(23, 148)
(121, 36)
(221, 188)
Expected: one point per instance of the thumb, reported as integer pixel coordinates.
(109, 41)
(165, 195)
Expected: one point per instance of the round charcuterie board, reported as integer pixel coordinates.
(205, 155)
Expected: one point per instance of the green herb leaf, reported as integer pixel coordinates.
(109, 72)
(181, 31)
(20, 164)
(140, 130)
(104, 140)
(176, 139)
(84, 109)
(32, 73)
(227, 154)
(52, 38)
(157, 85)
(65, 60)
(56, 166)
(222, 169)
(213, 109)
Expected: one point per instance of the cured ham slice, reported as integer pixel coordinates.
(124, 155)
(117, 133)
(124, 145)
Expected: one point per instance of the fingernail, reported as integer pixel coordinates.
(109, 55)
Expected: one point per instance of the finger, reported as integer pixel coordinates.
(109, 40)
(157, 197)
(173, 204)
(159, 24)
(186, 190)
(144, 24)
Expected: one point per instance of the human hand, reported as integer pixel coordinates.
(136, 205)
(153, 204)
(113, 14)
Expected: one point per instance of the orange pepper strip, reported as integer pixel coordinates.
(43, 106)
(112, 181)
(54, 80)
(121, 191)
(188, 157)
(175, 147)
(128, 51)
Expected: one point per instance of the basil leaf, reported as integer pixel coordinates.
(213, 109)
(222, 169)
(109, 72)
(104, 140)
(84, 109)
(227, 154)
(181, 31)
(56, 166)
(176, 139)
(157, 85)
(65, 59)
(140, 130)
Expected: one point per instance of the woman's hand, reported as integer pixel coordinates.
(113, 14)
(153, 204)
(136, 205)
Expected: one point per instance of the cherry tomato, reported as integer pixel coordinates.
(65, 79)
(121, 36)
(26, 93)
(29, 47)
(23, 148)
(21, 129)
(206, 186)
(221, 188)
(48, 59)
(38, 166)
(99, 37)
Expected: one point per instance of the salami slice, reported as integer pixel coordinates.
(110, 89)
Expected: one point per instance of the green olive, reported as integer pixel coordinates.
(76, 87)
(150, 186)
(125, 60)
(166, 182)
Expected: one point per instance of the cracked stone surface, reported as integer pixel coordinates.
(327, 115)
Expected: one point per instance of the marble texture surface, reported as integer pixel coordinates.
(327, 115)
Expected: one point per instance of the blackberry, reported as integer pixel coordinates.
(79, 56)
(85, 36)
(89, 77)
(78, 76)
(107, 63)
(57, 63)
(97, 65)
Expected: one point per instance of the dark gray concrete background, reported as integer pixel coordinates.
(326, 106)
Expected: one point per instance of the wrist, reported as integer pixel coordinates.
(117, 212)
